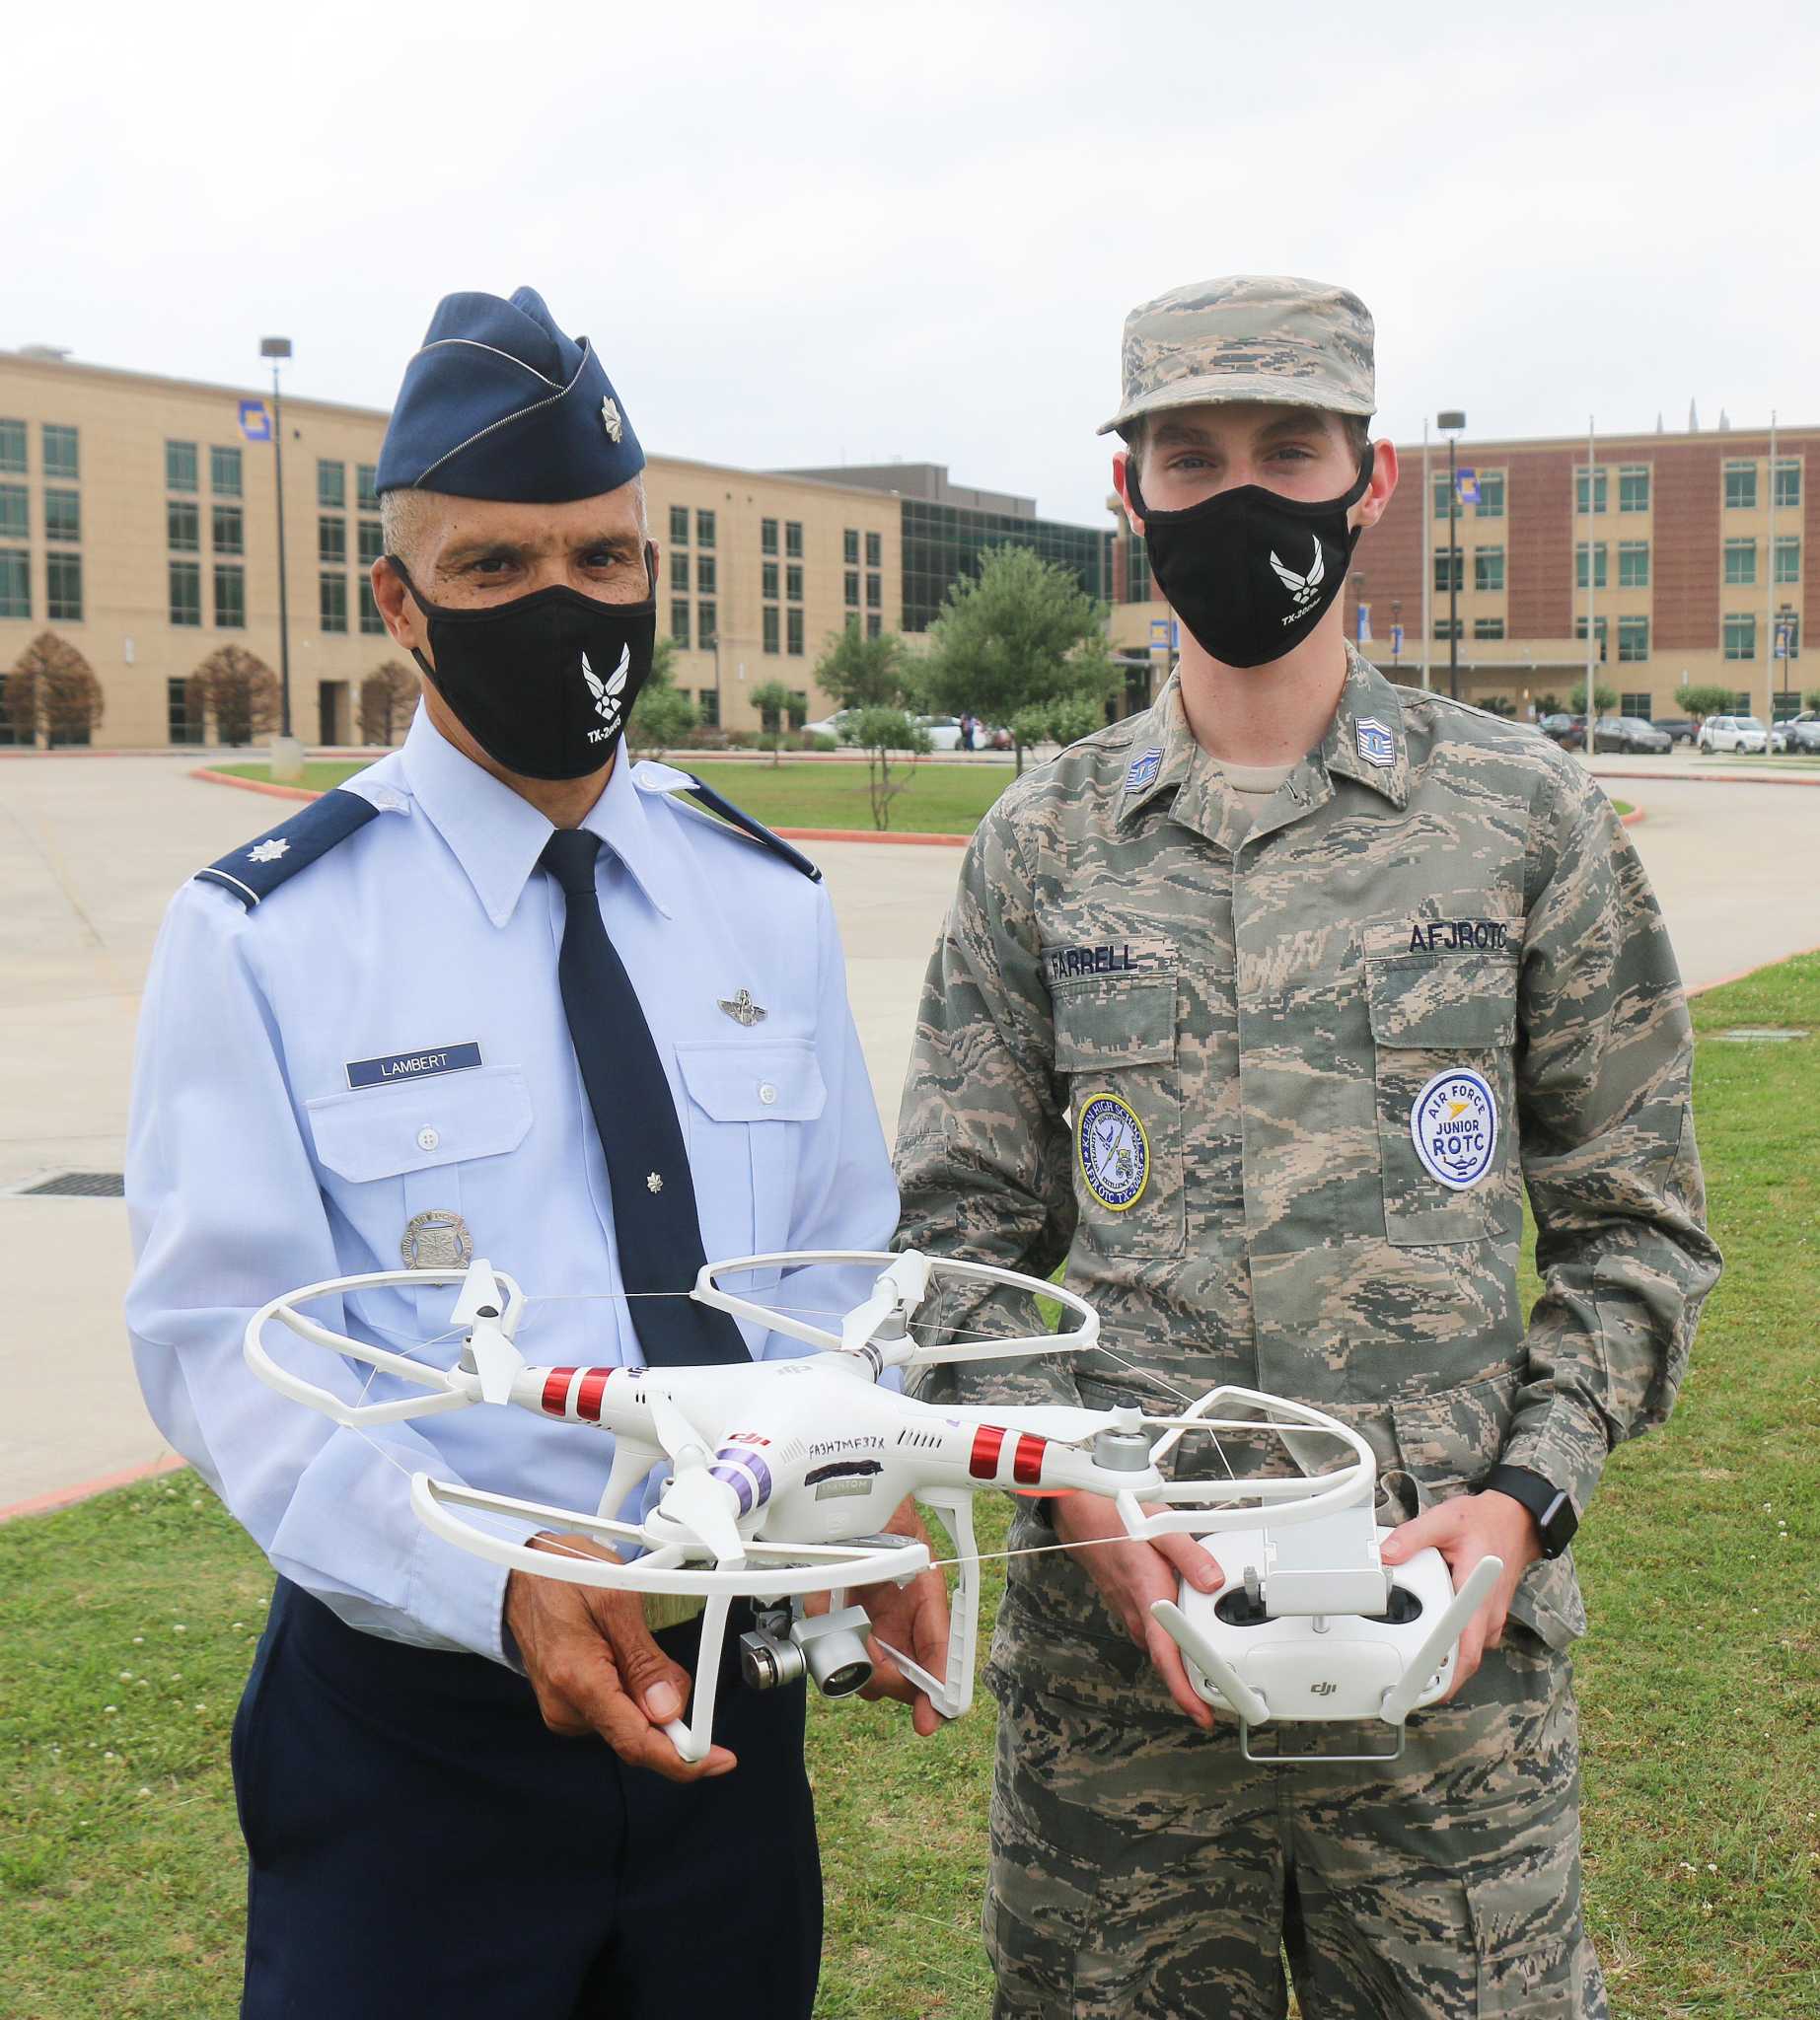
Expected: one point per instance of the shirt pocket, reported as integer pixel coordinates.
(1115, 1048)
(747, 1107)
(1435, 1016)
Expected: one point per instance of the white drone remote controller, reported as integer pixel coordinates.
(1309, 1623)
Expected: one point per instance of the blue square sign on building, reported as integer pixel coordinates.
(255, 420)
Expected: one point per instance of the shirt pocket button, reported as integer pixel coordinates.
(767, 1094)
(428, 1138)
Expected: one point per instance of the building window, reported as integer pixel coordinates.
(13, 447)
(332, 485)
(793, 538)
(372, 625)
(332, 601)
(849, 546)
(1740, 635)
(770, 628)
(229, 531)
(62, 515)
(1741, 563)
(183, 526)
(61, 453)
(1443, 581)
(181, 726)
(1633, 638)
(875, 625)
(1598, 631)
(679, 573)
(1443, 490)
(768, 579)
(1634, 487)
(707, 700)
(679, 526)
(180, 465)
(1489, 568)
(1632, 564)
(875, 592)
(1491, 494)
(794, 634)
(1488, 627)
(1788, 484)
(1788, 560)
(230, 597)
(185, 592)
(679, 620)
(852, 585)
(224, 472)
(1448, 628)
(1580, 489)
(793, 583)
(16, 514)
(331, 540)
(1740, 485)
(875, 551)
(1638, 705)
(705, 528)
(366, 476)
(371, 539)
(704, 574)
(15, 583)
(707, 630)
(1598, 565)
(767, 536)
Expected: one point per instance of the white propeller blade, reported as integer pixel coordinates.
(480, 1294)
(673, 1430)
(480, 1305)
(899, 1287)
(705, 1507)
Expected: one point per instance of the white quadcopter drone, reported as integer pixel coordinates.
(783, 1472)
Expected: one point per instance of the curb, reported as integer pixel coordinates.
(1635, 815)
(254, 786)
(1715, 777)
(1725, 981)
(67, 1497)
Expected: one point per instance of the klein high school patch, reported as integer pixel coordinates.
(1113, 1151)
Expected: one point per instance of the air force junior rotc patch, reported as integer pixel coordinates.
(1114, 1152)
(1454, 1124)
(1377, 745)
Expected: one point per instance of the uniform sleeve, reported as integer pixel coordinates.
(983, 1151)
(1604, 1073)
(225, 1214)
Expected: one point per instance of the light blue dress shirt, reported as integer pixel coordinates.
(255, 1165)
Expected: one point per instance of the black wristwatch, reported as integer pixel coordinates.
(1554, 1512)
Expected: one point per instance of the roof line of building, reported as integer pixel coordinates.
(1736, 437)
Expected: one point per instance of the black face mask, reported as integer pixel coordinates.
(544, 682)
(1249, 571)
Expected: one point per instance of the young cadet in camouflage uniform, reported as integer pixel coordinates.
(1263, 1008)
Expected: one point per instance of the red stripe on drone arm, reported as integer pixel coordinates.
(982, 1463)
(1027, 1468)
(588, 1395)
(555, 1402)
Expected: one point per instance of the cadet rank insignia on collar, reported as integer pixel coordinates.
(1143, 768)
(1453, 1123)
(1113, 1152)
(1377, 745)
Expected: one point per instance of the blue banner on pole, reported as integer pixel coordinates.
(1396, 639)
(1465, 482)
(1364, 622)
(1164, 637)
(255, 420)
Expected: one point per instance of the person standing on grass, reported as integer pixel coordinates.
(1265, 1008)
(504, 994)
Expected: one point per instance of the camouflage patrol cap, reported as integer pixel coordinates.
(1248, 336)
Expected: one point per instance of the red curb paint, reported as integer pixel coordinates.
(1630, 819)
(254, 786)
(67, 1497)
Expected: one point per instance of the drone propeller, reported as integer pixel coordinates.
(481, 1307)
(694, 1501)
(897, 1293)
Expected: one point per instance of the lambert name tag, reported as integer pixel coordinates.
(411, 1065)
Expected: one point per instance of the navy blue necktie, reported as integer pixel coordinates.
(654, 1216)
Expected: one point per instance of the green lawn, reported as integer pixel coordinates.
(127, 1625)
(941, 799)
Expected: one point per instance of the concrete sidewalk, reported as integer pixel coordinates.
(91, 850)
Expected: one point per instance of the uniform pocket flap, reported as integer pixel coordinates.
(1442, 1001)
(380, 1132)
(1115, 1021)
(732, 1081)
(1454, 1436)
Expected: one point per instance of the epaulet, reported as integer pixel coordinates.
(257, 871)
(738, 818)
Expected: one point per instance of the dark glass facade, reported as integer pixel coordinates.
(943, 543)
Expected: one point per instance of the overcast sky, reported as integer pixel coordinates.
(808, 232)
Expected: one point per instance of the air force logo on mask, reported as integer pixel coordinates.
(606, 693)
(1377, 745)
(1303, 588)
(1454, 1128)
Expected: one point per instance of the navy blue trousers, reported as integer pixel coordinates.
(421, 1842)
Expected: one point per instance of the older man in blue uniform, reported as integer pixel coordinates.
(503, 993)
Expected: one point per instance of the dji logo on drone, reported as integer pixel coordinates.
(1322, 1689)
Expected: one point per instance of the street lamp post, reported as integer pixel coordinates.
(286, 759)
(1451, 421)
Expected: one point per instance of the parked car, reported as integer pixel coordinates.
(1733, 733)
(1681, 729)
(944, 731)
(1798, 733)
(1568, 731)
(1629, 732)
(830, 726)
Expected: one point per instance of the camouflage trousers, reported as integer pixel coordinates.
(1144, 1870)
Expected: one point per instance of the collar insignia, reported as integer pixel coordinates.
(1377, 745)
(1143, 770)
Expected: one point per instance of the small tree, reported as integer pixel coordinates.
(1811, 699)
(237, 691)
(1709, 699)
(1548, 704)
(663, 715)
(877, 680)
(880, 732)
(53, 686)
(774, 701)
(387, 699)
(1500, 704)
(1022, 635)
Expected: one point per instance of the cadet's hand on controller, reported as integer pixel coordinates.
(1132, 1576)
(594, 1667)
(1464, 1530)
(915, 1619)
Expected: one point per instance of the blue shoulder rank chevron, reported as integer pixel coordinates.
(257, 870)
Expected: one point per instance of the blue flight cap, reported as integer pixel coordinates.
(500, 403)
